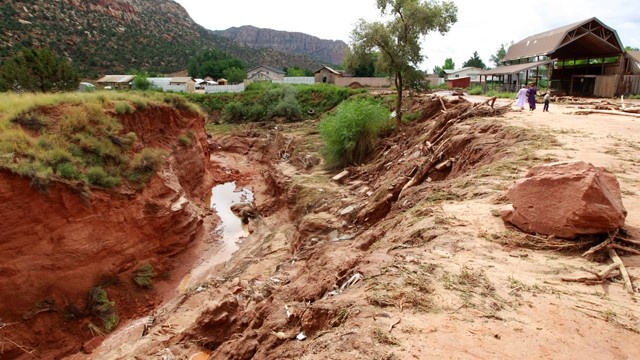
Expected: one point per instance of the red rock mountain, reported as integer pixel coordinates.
(325, 51)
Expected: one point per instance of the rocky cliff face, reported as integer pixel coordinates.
(56, 246)
(325, 51)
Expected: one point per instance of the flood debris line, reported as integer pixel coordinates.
(435, 151)
(601, 107)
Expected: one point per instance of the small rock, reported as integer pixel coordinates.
(340, 176)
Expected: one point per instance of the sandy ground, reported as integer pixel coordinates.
(459, 293)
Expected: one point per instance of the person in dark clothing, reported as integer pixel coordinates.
(531, 96)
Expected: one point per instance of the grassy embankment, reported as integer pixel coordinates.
(76, 137)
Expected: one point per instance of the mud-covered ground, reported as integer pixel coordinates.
(370, 268)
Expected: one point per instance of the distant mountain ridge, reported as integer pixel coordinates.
(325, 51)
(117, 36)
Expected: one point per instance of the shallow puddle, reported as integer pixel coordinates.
(229, 233)
(230, 228)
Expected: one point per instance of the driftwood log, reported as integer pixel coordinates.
(608, 112)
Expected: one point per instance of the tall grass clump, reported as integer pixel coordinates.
(144, 164)
(351, 132)
(123, 108)
(102, 307)
(475, 90)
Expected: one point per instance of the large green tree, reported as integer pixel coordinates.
(499, 55)
(37, 70)
(398, 40)
(448, 64)
(212, 62)
(475, 61)
(363, 63)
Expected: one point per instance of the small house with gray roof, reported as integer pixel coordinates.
(265, 73)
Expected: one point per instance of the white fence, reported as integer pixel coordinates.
(307, 80)
(224, 88)
(207, 89)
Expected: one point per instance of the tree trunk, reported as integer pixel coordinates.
(399, 88)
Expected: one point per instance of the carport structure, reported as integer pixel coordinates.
(584, 58)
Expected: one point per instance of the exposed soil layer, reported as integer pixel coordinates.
(59, 244)
(400, 259)
(404, 257)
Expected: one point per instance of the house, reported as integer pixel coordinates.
(326, 75)
(115, 82)
(265, 73)
(459, 82)
(584, 58)
(471, 72)
(189, 83)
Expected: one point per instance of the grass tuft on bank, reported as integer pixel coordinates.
(78, 137)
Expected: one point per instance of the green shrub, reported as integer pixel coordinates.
(184, 140)
(123, 108)
(102, 307)
(149, 159)
(144, 164)
(56, 156)
(233, 112)
(98, 177)
(255, 112)
(351, 132)
(289, 108)
(144, 275)
(475, 90)
(140, 104)
(68, 171)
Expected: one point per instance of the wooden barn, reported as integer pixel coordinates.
(585, 58)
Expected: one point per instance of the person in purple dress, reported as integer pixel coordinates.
(531, 95)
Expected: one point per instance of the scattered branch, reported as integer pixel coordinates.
(625, 275)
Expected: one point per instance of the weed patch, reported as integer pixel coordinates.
(351, 132)
(144, 275)
(102, 307)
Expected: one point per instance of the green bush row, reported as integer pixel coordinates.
(264, 101)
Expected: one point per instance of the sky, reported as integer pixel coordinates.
(482, 26)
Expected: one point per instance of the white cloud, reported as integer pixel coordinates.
(482, 25)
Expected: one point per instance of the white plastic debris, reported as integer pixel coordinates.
(301, 336)
(352, 281)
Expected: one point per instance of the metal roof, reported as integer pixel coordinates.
(328, 68)
(513, 69)
(181, 79)
(587, 38)
(116, 79)
(452, 71)
(275, 70)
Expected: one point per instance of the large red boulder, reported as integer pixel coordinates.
(566, 199)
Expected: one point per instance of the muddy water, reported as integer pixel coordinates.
(228, 234)
(230, 228)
